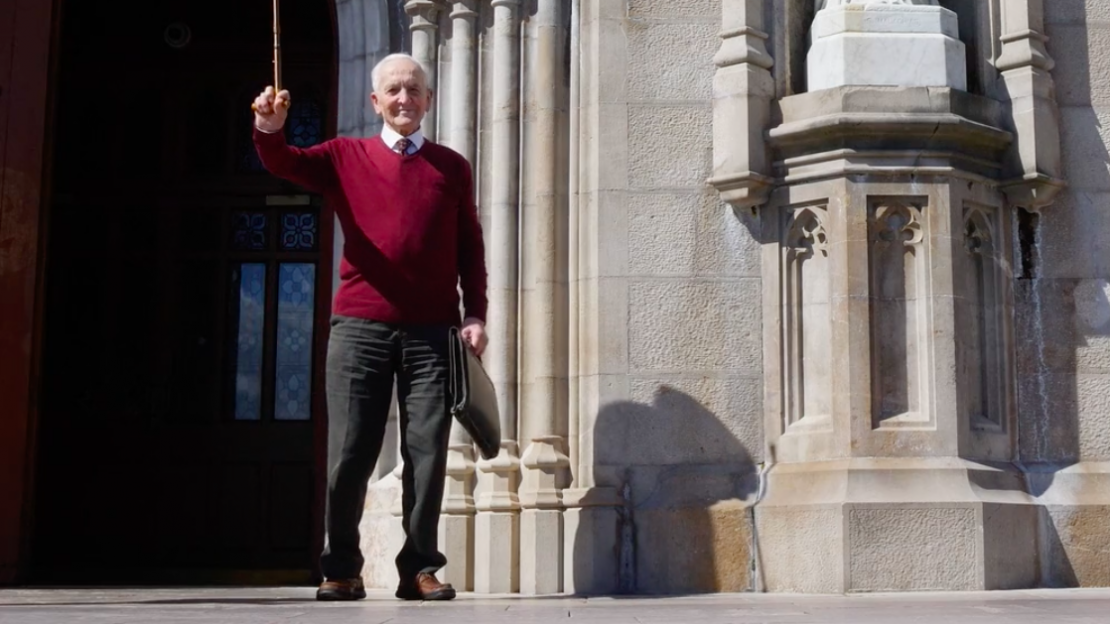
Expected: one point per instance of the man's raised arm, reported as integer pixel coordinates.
(311, 168)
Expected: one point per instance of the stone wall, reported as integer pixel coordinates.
(1064, 310)
(677, 426)
(664, 319)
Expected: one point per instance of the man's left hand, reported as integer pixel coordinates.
(474, 332)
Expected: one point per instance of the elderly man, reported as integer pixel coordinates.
(406, 206)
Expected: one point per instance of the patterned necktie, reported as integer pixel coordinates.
(402, 146)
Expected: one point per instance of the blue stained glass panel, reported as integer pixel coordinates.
(251, 279)
(305, 123)
(249, 231)
(296, 299)
(298, 231)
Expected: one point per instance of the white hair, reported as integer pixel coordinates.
(376, 73)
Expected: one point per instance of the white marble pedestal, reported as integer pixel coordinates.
(886, 45)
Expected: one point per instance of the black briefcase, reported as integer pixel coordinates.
(472, 396)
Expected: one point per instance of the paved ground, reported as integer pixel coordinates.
(296, 605)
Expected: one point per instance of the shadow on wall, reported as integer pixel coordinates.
(685, 479)
(1062, 299)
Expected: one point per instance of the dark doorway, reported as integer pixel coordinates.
(187, 295)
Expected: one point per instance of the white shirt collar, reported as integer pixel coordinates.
(391, 136)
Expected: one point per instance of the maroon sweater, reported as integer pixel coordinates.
(409, 222)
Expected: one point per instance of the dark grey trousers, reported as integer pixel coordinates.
(364, 358)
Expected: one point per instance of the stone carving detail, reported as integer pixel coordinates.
(807, 348)
(982, 345)
(899, 310)
(807, 233)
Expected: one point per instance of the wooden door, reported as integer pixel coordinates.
(25, 28)
(186, 302)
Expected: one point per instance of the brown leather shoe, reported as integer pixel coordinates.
(425, 587)
(342, 589)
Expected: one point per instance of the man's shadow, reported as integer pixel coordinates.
(686, 481)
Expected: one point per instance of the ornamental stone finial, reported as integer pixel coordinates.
(864, 43)
(823, 4)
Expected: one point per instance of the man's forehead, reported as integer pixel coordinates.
(401, 71)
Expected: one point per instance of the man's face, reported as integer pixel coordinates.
(402, 96)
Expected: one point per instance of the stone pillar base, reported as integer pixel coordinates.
(497, 547)
(381, 533)
(867, 525)
(591, 542)
(541, 551)
(886, 45)
(1075, 528)
(456, 540)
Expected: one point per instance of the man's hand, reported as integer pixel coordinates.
(474, 333)
(270, 110)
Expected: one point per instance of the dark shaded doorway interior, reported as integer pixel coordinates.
(186, 300)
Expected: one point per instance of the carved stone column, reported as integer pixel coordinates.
(497, 525)
(543, 425)
(425, 49)
(457, 525)
(1034, 161)
(462, 136)
(593, 540)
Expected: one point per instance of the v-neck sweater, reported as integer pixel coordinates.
(410, 226)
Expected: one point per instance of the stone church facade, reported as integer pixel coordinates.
(807, 296)
(785, 296)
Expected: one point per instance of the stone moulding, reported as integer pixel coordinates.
(844, 131)
(747, 189)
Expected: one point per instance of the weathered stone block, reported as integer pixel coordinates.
(592, 551)
(680, 419)
(904, 549)
(1084, 135)
(683, 9)
(652, 73)
(541, 552)
(692, 234)
(669, 146)
(1004, 566)
(1093, 402)
(799, 550)
(456, 542)
(695, 325)
(728, 243)
(1082, 71)
(663, 234)
(1065, 11)
(693, 549)
(1078, 221)
(497, 553)
(1078, 549)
